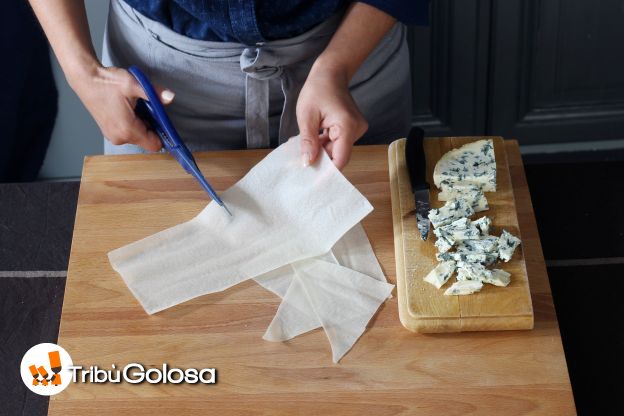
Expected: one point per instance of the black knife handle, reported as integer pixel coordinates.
(415, 159)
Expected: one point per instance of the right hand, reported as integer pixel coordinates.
(110, 95)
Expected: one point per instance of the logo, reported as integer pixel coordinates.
(45, 369)
(135, 373)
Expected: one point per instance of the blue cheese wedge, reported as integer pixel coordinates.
(447, 191)
(507, 244)
(483, 224)
(470, 193)
(440, 274)
(471, 164)
(451, 211)
(464, 287)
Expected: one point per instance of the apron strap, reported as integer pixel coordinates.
(257, 113)
(261, 65)
(256, 64)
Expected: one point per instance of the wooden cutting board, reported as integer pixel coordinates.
(422, 307)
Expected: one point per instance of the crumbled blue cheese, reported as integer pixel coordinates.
(440, 274)
(507, 244)
(443, 244)
(472, 164)
(463, 175)
(490, 259)
(464, 287)
(483, 224)
(471, 193)
(466, 257)
(498, 277)
(472, 271)
(487, 244)
(451, 211)
(458, 230)
(445, 256)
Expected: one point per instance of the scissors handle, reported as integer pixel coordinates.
(156, 109)
(153, 112)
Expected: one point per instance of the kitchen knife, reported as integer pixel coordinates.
(417, 168)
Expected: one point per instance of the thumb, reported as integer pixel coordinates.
(134, 90)
(309, 134)
(165, 94)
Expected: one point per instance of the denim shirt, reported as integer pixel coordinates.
(253, 21)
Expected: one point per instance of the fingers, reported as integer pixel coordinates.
(134, 130)
(110, 95)
(324, 137)
(144, 137)
(337, 139)
(124, 126)
(342, 136)
(339, 150)
(349, 126)
(309, 132)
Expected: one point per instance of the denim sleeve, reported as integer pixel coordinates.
(410, 12)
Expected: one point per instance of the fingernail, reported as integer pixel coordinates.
(167, 95)
(305, 159)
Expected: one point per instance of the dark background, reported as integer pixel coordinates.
(540, 71)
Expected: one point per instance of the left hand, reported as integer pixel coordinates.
(328, 117)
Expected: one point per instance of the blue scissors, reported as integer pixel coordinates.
(153, 113)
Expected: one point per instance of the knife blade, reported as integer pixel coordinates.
(417, 169)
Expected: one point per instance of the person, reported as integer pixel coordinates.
(244, 74)
(28, 105)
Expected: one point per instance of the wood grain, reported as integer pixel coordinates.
(390, 371)
(427, 308)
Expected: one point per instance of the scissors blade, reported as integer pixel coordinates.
(153, 112)
(226, 209)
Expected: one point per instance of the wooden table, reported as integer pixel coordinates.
(390, 371)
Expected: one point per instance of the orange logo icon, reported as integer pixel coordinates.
(55, 366)
(45, 369)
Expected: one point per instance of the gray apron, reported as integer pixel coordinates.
(233, 96)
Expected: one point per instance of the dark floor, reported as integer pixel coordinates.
(577, 201)
(580, 214)
(36, 222)
(590, 319)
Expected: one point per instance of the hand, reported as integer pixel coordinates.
(328, 117)
(110, 95)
